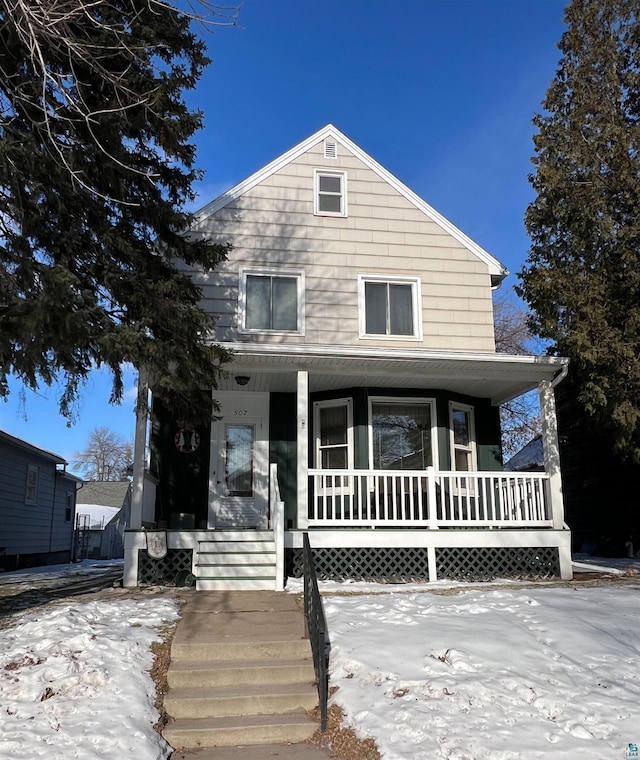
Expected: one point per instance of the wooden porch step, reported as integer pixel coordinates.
(237, 547)
(224, 571)
(236, 584)
(206, 559)
(238, 535)
(236, 560)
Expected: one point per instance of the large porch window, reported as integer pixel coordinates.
(402, 436)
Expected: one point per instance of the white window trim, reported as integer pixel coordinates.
(416, 305)
(317, 173)
(32, 468)
(317, 406)
(272, 272)
(456, 406)
(421, 401)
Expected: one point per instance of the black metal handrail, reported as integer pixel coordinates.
(316, 628)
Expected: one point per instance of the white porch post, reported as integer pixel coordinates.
(140, 444)
(303, 449)
(552, 468)
(131, 549)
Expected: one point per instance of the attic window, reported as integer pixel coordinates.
(330, 149)
(330, 193)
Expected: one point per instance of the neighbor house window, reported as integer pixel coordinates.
(389, 306)
(31, 487)
(330, 193)
(271, 301)
(402, 434)
(461, 431)
(333, 425)
(68, 510)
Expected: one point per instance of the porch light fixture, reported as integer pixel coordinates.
(242, 379)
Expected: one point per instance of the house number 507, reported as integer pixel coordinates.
(240, 412)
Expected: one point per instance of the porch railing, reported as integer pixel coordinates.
(316, 628)
(276, 521)
(428, 498)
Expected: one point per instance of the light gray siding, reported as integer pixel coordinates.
(273, 224)
(38, 528)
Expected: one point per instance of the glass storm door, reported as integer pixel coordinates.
(239, 482)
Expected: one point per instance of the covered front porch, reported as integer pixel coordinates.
(460, 503)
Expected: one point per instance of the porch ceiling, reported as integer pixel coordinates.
(499, 377)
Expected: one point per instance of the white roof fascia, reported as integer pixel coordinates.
(495, 267)
(355, 352)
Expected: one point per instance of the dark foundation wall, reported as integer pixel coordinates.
(182, 469)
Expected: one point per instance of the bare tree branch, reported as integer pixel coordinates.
(67, 26)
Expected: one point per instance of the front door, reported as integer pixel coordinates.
(238, 489)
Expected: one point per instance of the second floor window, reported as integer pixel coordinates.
(331, 193)
(389, 307)
(271, 301)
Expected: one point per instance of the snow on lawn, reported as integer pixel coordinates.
(74, 680)
(491, 674)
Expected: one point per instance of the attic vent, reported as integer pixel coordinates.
(330, 149)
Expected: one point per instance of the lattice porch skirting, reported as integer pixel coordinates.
(172, 570)
(403, 565)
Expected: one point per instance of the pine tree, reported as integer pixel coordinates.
(582, 277)
(96, 169)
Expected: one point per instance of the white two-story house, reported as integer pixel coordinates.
(362, 405)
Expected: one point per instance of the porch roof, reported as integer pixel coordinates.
(499, 377)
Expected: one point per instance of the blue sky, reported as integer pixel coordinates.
(440, 92)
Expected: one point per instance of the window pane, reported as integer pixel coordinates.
(462, 460)
(239, 460)
(460, 427)
(334, 459)
(331, 203)
(333, 425)
(375, 297)
(329, 184)
(285, 303)
(400, 308)
(401, 436)
(258, 303)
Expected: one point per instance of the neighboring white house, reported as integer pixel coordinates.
(362, 404)
(37, 505)
(102, 515)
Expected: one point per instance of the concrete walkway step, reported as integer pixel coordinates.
(255, 752)
(226, 701)
(235, 730)
(256, 649)
(240, 672)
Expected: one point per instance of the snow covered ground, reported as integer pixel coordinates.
(499, 672)
(74, 679)
(491, 674)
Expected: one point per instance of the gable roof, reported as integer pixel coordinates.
(107, 493)
(497, 270)
(29, 447)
